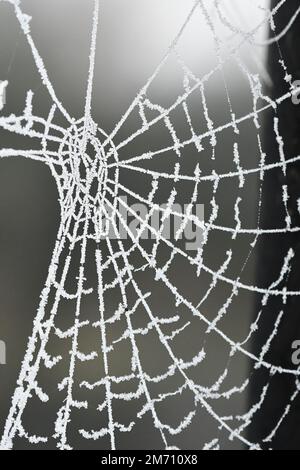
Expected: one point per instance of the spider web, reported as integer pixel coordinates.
(91, 171)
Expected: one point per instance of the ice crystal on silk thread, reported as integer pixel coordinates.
(87, 167)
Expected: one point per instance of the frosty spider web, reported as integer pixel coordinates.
(90, 168)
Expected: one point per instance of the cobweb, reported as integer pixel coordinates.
(122, 387)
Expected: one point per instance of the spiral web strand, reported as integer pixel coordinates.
(81, 156)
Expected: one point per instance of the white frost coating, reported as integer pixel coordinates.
(81, 231)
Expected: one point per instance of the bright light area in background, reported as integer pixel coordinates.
(148, 28)
(159, 21)
(137, 34)
(138, 42)
(134, 35)
(247, 14)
